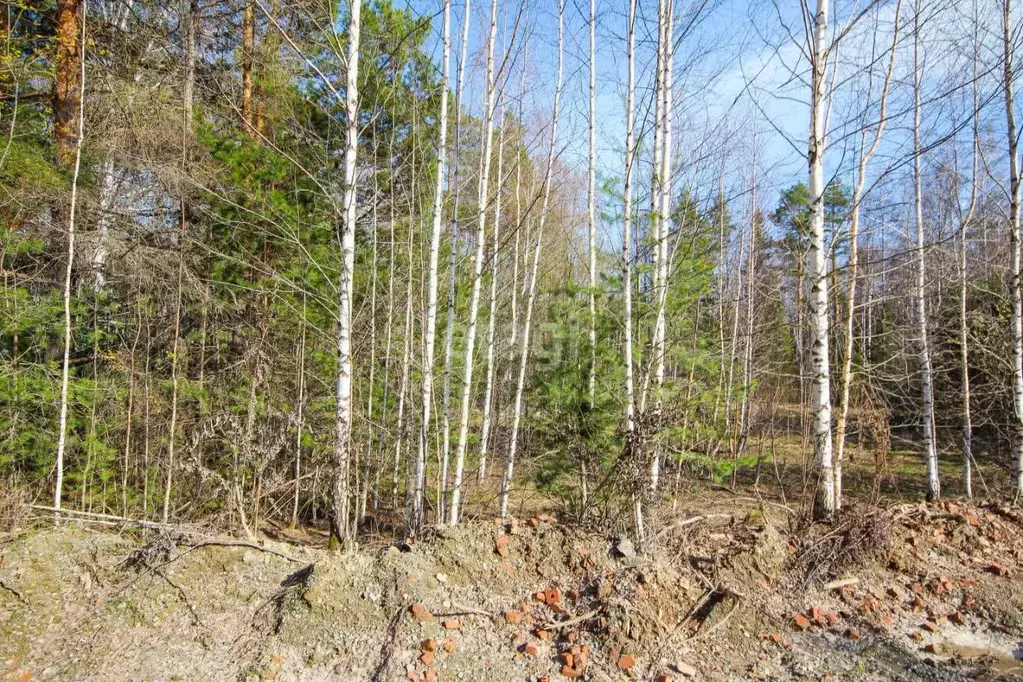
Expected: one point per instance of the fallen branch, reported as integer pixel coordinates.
(839, 584)
(103, 519)
(249, 545)
(465, 610)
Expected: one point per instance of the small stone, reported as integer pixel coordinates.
(853, 634)
(441, 578)
(930, 626)
(933, 648)
(958, 618)
(685, 669)
(623, 548)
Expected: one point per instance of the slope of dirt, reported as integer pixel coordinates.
(724, 593)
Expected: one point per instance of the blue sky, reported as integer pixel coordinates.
(740, 74)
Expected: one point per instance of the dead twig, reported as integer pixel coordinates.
(720, 623)
(571, 621)
(467, 610)
(181, 593)
(12, 590)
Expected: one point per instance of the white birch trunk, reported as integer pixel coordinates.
(926, 372)
(1014, 241)
(509, 468)
(340, 502)
(591, 208)
(477, 280)
(866, 154)
(630, 158)
(664, 225)
(453, 249)
(65, 376)
(964, 223)
(817, 271)
(431, 288)
(488, 392)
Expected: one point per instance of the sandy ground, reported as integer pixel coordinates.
(725, 590)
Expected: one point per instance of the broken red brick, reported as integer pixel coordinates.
(540, 596)
(427, 657)
(420, 613)
(832, 618)
(567, 658)
(958, 618)
(530, 649)
(568, 671)
(933, 648)
(428, 645)
(501, 546)
(552, 596)
(543, 634)
(451, 624)
(853, 634)
(430, 675)
(930, 626)
(801, 621)
(626, 662)
(449, 646)
(512, 617)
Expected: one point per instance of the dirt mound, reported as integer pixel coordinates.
(722, 594)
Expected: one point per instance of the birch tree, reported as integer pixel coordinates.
(509, 467)
(817, 269)
(1014, 244)
(477, 278)
(926, 368)
(71, 68)
(453, 245)
(865, 155)
(431, 290)
(340, 499)
(630, 157)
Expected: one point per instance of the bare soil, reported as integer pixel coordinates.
(726, 589)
